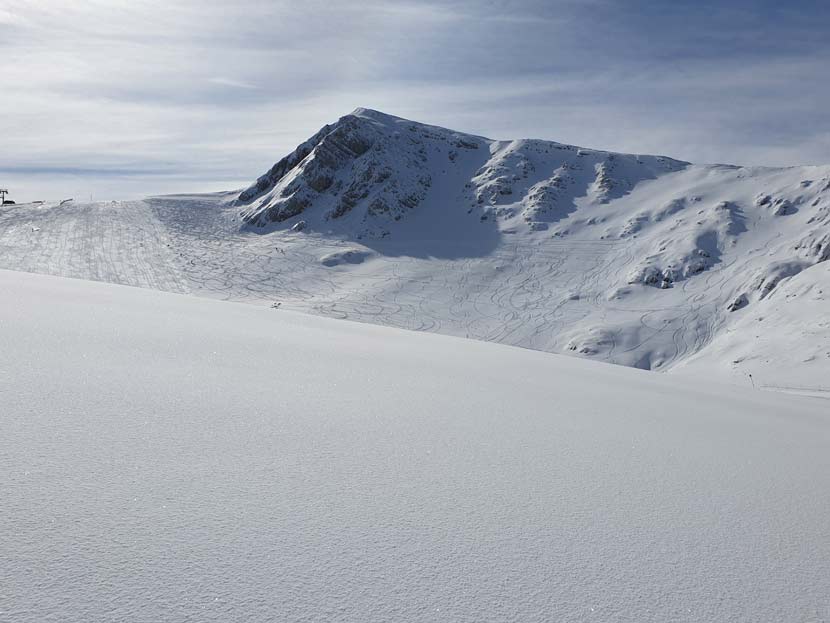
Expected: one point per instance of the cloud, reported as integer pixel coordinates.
(213, 90)
(230, 82)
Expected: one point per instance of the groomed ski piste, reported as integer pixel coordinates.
(712, 271)
(174, 458)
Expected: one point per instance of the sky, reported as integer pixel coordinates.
(122, 98)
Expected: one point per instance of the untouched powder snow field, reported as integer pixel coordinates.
(709, 270)
(170, 458)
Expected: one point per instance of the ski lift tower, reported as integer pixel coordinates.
(3, 193)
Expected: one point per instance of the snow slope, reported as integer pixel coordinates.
(168, 458)
(638, 260)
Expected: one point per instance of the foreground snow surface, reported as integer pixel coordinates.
(167, 458)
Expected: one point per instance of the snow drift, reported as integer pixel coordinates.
(173, 458)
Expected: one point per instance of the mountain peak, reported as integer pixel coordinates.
(371, 169)
(375, 115)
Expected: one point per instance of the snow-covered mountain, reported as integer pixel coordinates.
(169, 457)
(638, 260)
(730, 234)
(371, 169)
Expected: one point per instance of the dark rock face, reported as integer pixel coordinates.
(276, 173)
(740, 302)
(360, 161)
(318, 161)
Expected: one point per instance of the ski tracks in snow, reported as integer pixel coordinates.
(533, 294)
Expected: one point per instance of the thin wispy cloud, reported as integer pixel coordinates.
(214, 92)
(230, 82)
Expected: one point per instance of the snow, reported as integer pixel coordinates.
(783, 341)
(167, 457)
(629, 259)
